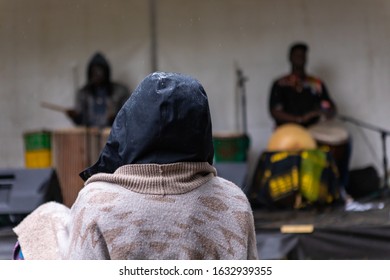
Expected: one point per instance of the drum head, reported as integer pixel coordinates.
(331, 132)
(291, 137)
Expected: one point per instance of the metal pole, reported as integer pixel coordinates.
(153, 34)
(383, 133)
(244, 116)
(385, 183)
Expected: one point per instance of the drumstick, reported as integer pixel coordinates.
(54, 107)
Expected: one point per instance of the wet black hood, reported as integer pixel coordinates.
(165, 120)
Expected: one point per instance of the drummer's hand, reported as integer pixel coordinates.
(71, 113)
(111, 119)
(328, 110)
(313, 114)
(329, 114)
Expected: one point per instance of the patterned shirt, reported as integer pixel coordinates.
(297, 96)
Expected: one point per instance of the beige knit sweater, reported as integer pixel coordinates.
(146, 211)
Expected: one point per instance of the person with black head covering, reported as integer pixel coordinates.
(98, 102)
(153, 193)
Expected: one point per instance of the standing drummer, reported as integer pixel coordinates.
(303, 99)
(298, 97)
(100, 99)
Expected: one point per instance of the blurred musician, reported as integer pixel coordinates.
(303, 99)
(298, 97)
(98, 102)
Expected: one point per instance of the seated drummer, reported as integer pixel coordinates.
(298, 97)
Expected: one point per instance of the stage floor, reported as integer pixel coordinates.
(336, 233)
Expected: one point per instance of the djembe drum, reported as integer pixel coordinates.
(293, 173)
(74, 150)
(331, 135)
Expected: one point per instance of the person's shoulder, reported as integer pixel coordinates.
(120, 90)
(84, 89)
(284, 80)
(98, 191)
(98, 185)
(314, 79)
(117, 85)
(231, 191)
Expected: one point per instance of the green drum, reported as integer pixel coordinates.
(37, 146)
(230, 147)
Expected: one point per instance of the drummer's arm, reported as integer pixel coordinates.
(328, 107)
(281, 116)
(76, 114)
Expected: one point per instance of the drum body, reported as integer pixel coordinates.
(230, 147)
(331, 136)
(74, 150)
(331, 132)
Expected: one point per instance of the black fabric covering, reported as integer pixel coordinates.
(345, 243)
(338, 234)
(165, 120)
(270, 169)
(260, 194)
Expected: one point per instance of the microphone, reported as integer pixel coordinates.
(240, 74)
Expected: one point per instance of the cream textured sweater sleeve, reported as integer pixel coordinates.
(43, 234)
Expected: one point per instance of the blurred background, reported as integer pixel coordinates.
(46, 44)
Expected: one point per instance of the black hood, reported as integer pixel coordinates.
(165, 120)
(100, 60)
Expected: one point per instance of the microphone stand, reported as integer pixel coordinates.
(241, 79)
(86, 119)
(383, 134)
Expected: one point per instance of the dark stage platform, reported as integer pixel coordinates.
(336, 233)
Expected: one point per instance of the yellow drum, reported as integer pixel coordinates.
(291, 137)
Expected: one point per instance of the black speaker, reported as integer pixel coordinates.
(363, 182)
(23, 190)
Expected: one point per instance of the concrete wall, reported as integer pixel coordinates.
(46, 44)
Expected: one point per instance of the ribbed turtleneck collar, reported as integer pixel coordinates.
(159, 179)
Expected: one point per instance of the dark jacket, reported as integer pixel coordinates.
(87, 98)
